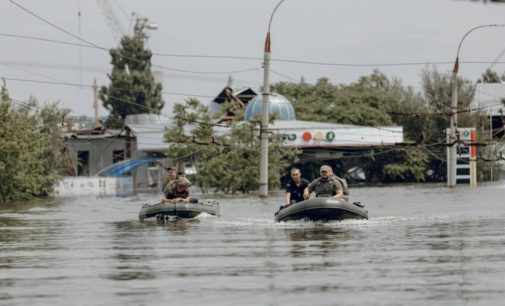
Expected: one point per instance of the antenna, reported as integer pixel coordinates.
(79, 54)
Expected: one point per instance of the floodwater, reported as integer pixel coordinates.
(423, 245)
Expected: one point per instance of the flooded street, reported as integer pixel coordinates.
(423, 245)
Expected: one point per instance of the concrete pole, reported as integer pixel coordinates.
(452, 134)
(265, 118)
(493, 148)
(452, 138)
(95, 103)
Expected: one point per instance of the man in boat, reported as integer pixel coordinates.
(295, 188)
(342, 182)
(179, 192)
(168, 182)
(325, 186)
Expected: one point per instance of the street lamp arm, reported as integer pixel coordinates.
(456, 63)
(273, 14)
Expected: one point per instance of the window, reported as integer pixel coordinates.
(118, 156)
(83, 163)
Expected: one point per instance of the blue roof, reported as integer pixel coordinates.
(278, 105)
(124, 167)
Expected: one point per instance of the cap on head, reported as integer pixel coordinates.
(182, 182)
(326, 168)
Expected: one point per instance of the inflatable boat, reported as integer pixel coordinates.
(322, 209)
(184, 210)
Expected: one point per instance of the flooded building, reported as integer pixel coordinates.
(489, 101)
(92, 150)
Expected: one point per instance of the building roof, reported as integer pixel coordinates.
(489, 98)
(150, 129)
(278, 105)
(89, 134)
(244, 94)
(307, 134)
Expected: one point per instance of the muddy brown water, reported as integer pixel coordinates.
(423, 245)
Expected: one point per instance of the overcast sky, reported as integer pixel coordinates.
(343, 31)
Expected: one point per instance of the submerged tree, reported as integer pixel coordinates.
(226, 158)
(133, 88)
(31, 149)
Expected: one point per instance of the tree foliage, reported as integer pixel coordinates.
(491, 76)
(376, 100)
(227, 159)
(31, 149)
(132, 88)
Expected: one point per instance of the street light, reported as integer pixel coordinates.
(263, 192)
(452, 138)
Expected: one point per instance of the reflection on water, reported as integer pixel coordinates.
(422, 245)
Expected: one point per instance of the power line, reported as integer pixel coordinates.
(419, 145)
(251, 58)
(54, 25)
(409, 114)
(107, 50)
(96, 46)
(49, 40)
(69, 84)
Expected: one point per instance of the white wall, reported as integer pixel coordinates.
(94, 186)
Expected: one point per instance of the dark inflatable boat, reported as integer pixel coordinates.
(322, 209)
(184, 210)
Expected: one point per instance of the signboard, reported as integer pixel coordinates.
(466, 161)
(348, 136)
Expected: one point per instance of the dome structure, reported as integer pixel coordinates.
(279, 105)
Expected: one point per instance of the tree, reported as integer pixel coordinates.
(30, 150)
(226, 159)
(491, 76)
(132, 89)
(373, 100)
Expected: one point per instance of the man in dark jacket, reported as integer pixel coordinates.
(295, 187)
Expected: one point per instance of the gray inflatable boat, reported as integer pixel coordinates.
(322, 209)
(182, 210)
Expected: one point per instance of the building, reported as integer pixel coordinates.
(490, 100)
(92, 150)
(139, 151)
(339, 145)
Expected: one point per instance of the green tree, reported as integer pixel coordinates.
(373, 100)
(132, 89)
(226, 159)
(30, 150)
(490, 76)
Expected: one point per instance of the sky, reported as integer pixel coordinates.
(367, 32)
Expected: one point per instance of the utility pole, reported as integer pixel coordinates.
(265, 119)
(491, 142)
(452, 138)
(452, 132)
(263, 192)
(95, 104)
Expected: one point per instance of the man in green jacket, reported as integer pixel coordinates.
(326, 185)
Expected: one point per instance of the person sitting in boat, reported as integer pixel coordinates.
(325, 186)
(179, 193)
(295, 188)
(168, 182)
(343, 182)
